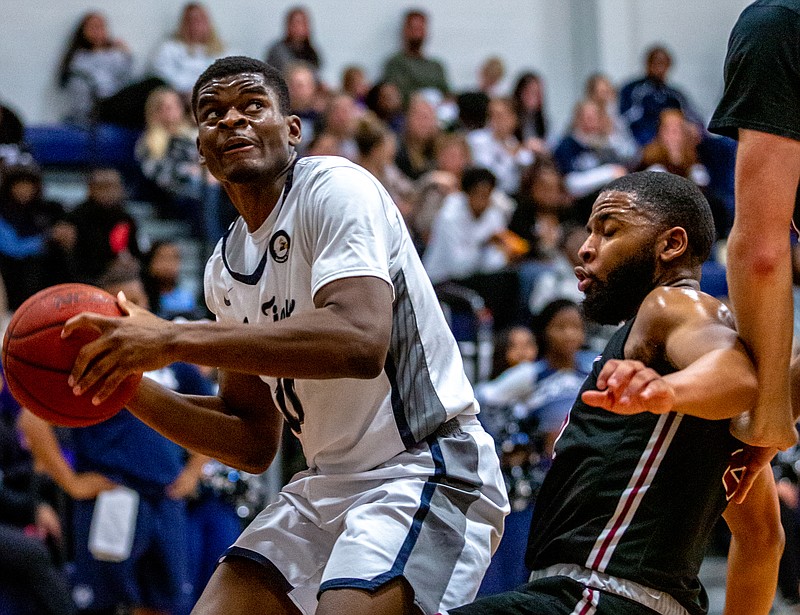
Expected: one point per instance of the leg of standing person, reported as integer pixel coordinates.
(759, 276)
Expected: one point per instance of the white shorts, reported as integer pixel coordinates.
(432, 515)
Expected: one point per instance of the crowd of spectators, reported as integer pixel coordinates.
(495, 200)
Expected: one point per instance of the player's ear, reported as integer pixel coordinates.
(200, 151)
(295, 132)
(673, 243)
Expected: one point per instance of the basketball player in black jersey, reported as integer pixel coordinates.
(626, 512)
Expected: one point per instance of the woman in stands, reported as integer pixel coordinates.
(95, 66)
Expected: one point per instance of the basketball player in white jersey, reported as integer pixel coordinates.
(325, 318)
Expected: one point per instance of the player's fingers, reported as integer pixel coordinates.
(86, 356)
(637, 383)
(598, 399)
(743, 488)
(622, 376)
(123, 303)
(605, 373)
(110, 383)
(99, 367)
(85, 320)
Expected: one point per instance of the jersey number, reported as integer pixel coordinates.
(289, 404)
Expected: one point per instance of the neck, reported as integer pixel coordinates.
(255, 201)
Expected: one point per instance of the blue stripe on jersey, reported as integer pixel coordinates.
(439, 524)
(417, 408)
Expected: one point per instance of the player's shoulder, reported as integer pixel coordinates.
(668, 306)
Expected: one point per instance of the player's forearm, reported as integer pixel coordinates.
(313, 345)
(204, 425)
(719, 385)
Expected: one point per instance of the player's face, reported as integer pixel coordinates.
(619, 260)
(243, 136)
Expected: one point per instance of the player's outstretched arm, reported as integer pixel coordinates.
(347, 336)
(757, 541)
(241, 427)
(715, 378)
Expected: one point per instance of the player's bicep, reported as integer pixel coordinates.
(699, 336)
(365, 302)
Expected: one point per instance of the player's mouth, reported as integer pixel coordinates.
(584, 278)
(236, 145)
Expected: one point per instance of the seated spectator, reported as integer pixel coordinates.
(385, 101)
(105, 230)
(641, 101)
(36, 244)
(543, 202)
(32, 578)
(166, 295)
(466, 245)
(497, 148)
(94, 67)
(167, 156)
(355, 84)
(377, 146)
(339, 121)
(12, 135)
(189, 51)
(415, 152)
(600, 90)
(302, 84)
(296, 43)
(674, 149)
(491, 77)
(124, 452)
(528, 98)
(586, 156)
(453, 157)
(409, 69)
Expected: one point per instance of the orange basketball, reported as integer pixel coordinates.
(37, 362)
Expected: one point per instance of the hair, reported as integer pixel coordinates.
(653, 50)
(591, 83)
(412, 13)
(543, 319)
(214, 45)
(477, 175)
(14, 174)
(502, 341)
(370, 132)
(156, 138)
(233, 65)
(76, 42)
(121, 270)
(538, 117)
(306, 52)
(673, 201)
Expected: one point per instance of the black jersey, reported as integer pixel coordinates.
(635, 497)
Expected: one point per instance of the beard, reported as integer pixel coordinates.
(414, 45)
(618, 298)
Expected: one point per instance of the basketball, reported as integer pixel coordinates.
(37, 362)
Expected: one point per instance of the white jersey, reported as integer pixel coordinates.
(335, 220)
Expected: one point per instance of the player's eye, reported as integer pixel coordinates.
(254, 106)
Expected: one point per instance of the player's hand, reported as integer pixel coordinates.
(630, 387)
(184, 485)
(47, 522)
(88, 485)
(744, 466)
(127, 345)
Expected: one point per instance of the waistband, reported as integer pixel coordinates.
(659, 601)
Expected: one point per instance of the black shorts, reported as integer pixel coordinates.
(553, 596)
